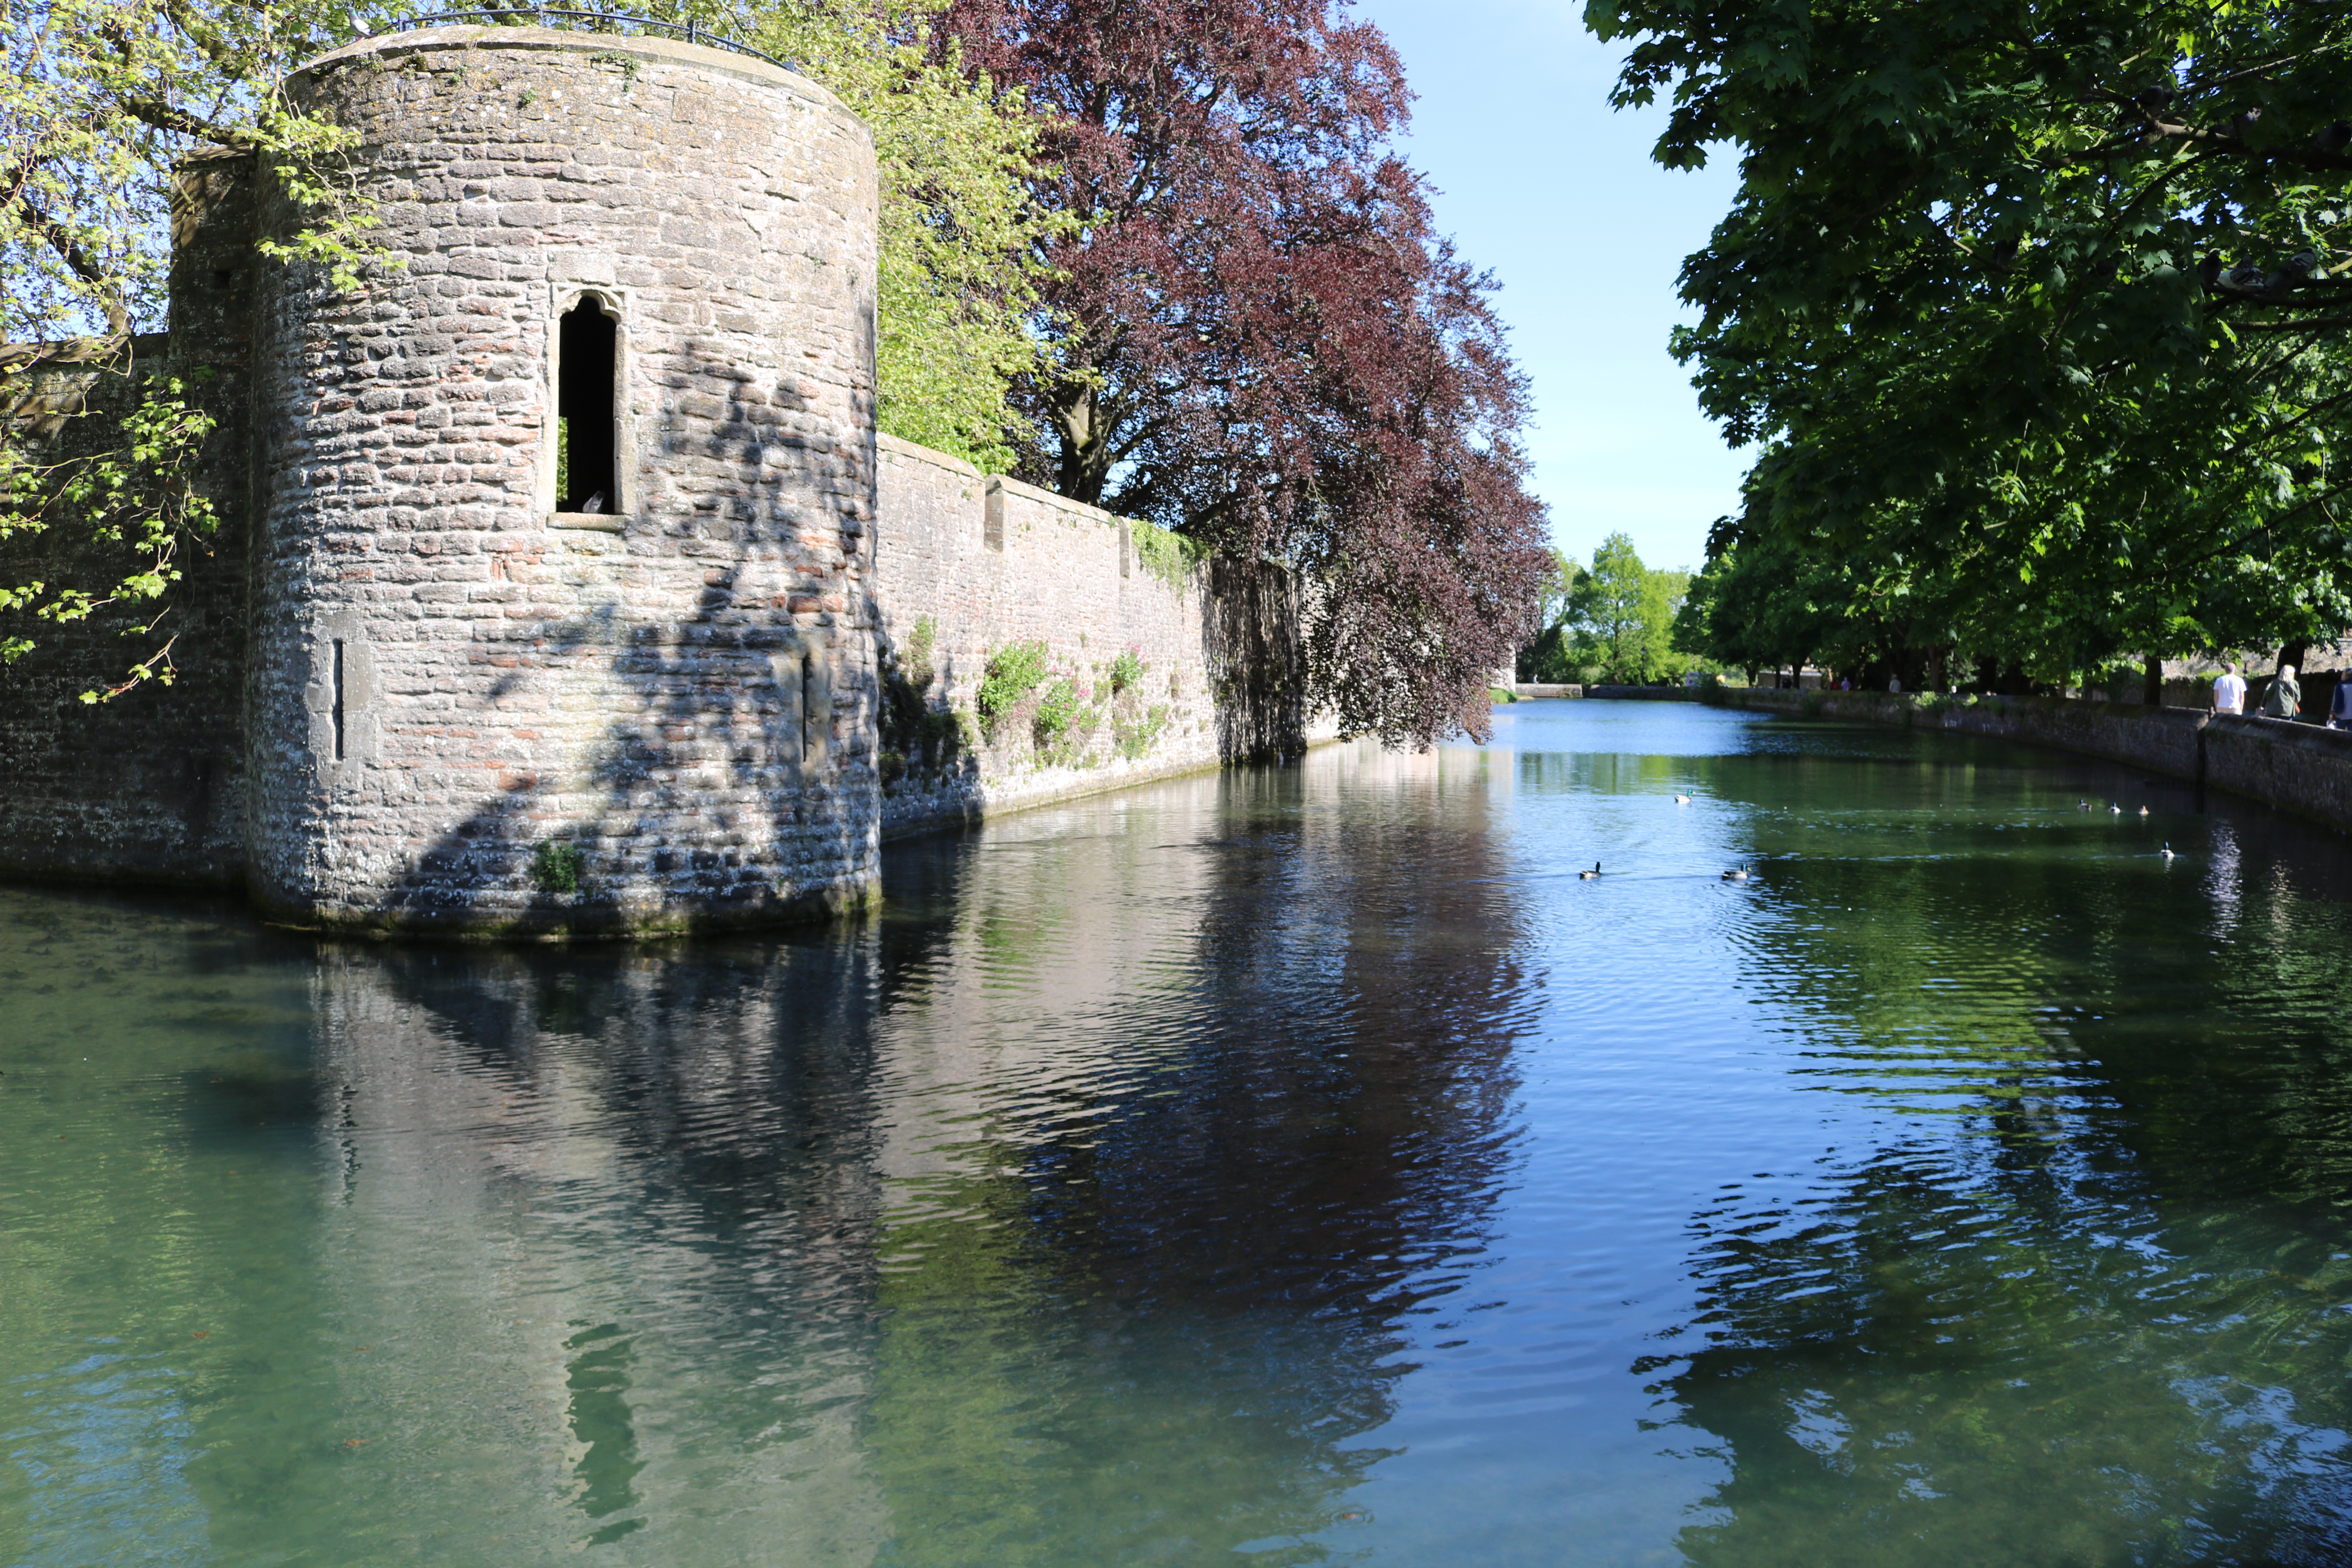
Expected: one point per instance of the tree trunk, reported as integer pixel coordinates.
(2151, 681)
(1084, 470)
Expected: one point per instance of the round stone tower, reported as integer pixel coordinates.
(561, 611)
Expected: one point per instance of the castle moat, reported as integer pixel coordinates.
(1278, 1167)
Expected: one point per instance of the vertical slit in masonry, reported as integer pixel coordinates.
(587, 410)
(811, 737)
(338, 700)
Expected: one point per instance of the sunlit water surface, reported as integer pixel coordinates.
(1292, 1166)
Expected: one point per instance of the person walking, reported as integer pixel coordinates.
(2339, 707)
(2229, 690)
(2285, 699)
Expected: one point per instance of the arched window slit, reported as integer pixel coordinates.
(587, 410)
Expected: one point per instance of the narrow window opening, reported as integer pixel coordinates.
(587, 410)
(338, 700)
(812, 730)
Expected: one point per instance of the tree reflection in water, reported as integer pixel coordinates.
(1210, 1139)
(2085, 1299)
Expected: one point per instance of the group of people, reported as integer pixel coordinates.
(2283, 700)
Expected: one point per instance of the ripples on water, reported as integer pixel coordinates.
(1295, 1166)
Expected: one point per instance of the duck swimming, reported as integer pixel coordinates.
(2143, 811)
(2115, 810)
(1587, 875)
(2167, 851)
(1738, 875)
(1682, 800)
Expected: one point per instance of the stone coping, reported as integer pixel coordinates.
(913, 451)
(560, 40)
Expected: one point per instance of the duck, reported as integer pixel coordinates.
(2143, 811)
(2167, 851)
(1587, 875)
(1738, 875)
(1682, 800)
(2114, 809)
(2082, 806)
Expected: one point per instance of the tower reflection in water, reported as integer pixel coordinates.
(1069, 1212)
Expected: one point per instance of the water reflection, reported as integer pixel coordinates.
(2083, 1297)
(1301, 1166)
(1071, 1212)
(1167, 1183)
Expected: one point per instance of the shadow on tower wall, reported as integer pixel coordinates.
(786, 840)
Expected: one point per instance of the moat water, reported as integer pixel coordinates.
(1293, 1166)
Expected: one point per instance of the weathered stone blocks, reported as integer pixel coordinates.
(475, 676)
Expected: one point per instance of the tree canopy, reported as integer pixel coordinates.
(1612, 622)
(1260, 340)
(2034, 312)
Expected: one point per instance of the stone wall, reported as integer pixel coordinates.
(2304, 769)
(453, 678)
(967, 565)
(151, 786)
(418, 690)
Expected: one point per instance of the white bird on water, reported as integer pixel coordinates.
(1587, 875)
(2115, 810)
(2167, 851)
(1738, 875)
(1682, 800)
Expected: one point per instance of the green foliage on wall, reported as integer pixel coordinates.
(557, 866)
(1011, 674)
(1167, 555)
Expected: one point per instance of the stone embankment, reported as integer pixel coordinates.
(2302, 769)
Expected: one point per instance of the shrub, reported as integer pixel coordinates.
(915, 658)
(1057, 709)
(557, 867)
(1012, 673)
(1127, 669)
(1132, 736)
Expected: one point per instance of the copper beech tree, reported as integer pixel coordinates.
(1261, 342)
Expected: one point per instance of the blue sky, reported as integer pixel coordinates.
(1541, 183)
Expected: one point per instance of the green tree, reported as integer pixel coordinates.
(1620, 615)
(102, 100)
(961, 240)
(1545, 657)
(2030, 310)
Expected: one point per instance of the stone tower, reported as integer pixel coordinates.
(562, 562)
